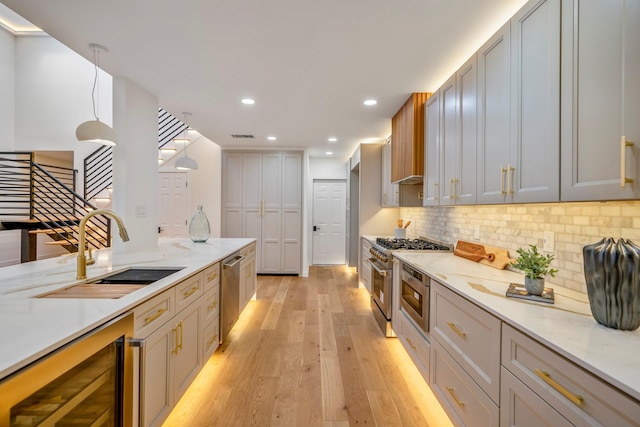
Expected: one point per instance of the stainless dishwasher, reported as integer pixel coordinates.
(230, 294)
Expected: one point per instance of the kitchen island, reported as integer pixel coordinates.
(510, 357)
(33, 327)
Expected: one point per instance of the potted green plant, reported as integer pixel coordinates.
(535, 267)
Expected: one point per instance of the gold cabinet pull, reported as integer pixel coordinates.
(453, 394)
(546, 377)
(413, 346)
(180, 342)
(212, 306)
(175, 340)
(511, 171)
(212, 340)
(502, 173)
(624, 180)
(191, 291)
(154, 316)
(453, 188)
(212, 276)
(436, 196)
(456, 329)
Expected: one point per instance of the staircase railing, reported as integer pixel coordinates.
(35, 198)
(98, 172)
(169, 127)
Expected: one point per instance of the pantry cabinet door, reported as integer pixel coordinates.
(232, 180)
(600, 99)
(535, 103)
(494, 86)
(271, 181)
(251, 179)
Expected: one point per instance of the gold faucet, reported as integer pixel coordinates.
(82, 261)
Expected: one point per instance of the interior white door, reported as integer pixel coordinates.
(329, 222)
(173, 204)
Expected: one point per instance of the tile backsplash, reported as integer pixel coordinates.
(513, 226)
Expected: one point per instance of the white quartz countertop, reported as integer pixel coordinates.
(567, 326)
(32, 327)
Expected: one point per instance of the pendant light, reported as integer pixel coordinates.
(186, 162)
(95, 130)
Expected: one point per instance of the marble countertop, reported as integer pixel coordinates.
(32, 327)
(567, 326)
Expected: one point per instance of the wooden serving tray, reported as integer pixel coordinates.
(484, 254)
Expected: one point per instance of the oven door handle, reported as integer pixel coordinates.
(373, 263)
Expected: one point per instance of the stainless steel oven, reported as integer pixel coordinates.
(382, 271)
(414, 296)
(381, 294)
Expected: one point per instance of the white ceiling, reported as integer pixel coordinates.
(308, 64)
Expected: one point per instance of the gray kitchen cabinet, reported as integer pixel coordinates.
(432, 161)
(267, 206)
(518, 113)
(494, 87)
(247, 275)
(458, 135)
(600, 100)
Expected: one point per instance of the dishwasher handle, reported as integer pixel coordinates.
(235, 260)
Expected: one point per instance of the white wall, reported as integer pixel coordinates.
(53, 96)
(7, 90)
(135, 164)
(205, 183)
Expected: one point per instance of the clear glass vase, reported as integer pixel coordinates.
(199, 229)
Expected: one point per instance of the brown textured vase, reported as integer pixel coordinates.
(612, 274)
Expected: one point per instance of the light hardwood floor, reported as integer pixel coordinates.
(307, 352)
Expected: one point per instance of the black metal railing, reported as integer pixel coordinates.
(33, 198)
(98, 172)
(169, 127)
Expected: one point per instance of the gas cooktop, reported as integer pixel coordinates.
(420, 244)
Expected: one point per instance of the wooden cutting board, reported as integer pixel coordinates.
(488, 255)
(501, 260)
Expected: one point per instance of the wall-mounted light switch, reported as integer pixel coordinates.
(548, 241)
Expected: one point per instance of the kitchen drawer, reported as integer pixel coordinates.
(210, 339)
(249, 250)
(152, 313)
(211, 305)
(470, 334)
(189, 290)
(576, 394)
(521, 407)
(462, 399)
(211, 276)
(416, 345)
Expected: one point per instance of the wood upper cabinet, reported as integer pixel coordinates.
(407, 140)
(600, 100)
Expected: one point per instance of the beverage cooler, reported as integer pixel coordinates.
(88, 382)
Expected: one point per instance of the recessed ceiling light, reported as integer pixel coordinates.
(248, 101)
(332, 139)
(370, 102)
(328, 153)
(271, 138)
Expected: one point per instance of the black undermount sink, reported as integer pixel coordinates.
(136, 276)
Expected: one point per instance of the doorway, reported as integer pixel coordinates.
(329, 222)
(173, 204)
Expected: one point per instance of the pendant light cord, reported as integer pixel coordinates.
(96, 58)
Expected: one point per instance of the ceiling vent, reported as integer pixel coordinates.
(239, 135)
